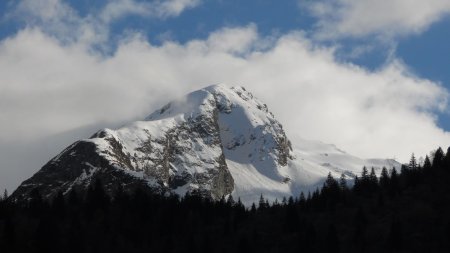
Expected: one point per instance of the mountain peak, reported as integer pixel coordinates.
(215, 141)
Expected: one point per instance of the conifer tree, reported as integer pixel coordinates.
(384, 178)
(5, 194)
(365, 175)
(284, 201)
(446, 160)
(343, 183)
(230, 201)
(394, 182)
(331, 183)
(262, 203)
(427, 163)
(302, 199)
(412, 162)
(373, 179)
(438, 158)
(239, 203)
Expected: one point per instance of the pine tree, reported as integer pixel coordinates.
(343, 183)
(357, 185)
(284, 201)
(427, 163)
(239, 203)
(331, 183)
(365, 175)
(262, 203)
(394, 182)
(384, 178)
(373, 180)
(438, 158)
(446, 160)
(412, 162)
(230, 201)
(302, 199)
(5, 194)
(290, 201)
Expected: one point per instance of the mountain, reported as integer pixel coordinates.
(214, 142)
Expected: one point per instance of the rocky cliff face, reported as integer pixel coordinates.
(178, 149)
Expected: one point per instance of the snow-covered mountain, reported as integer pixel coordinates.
(215, 141)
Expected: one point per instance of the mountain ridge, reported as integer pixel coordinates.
(216, 141)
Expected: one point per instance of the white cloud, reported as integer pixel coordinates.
(358, 18)
(162, 9)
(49, 90)
(60, 20)
(170, 8)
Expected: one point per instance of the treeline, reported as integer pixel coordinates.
(401, 211)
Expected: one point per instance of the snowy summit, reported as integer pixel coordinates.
(217, 141)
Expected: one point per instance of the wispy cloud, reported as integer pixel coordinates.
(358, 18)
(159, 9)
(60, 20)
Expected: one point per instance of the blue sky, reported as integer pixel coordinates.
(370, 76)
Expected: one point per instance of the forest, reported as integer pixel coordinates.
(404, 210)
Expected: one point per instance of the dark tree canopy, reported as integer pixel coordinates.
(395, 212)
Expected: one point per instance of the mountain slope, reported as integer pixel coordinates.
(214, 142)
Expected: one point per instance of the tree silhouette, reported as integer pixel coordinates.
(438, 158)
(427, 163)
(412, 162)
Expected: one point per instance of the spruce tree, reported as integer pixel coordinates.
(230, 201)
(5, 194)
(446, 160)
(302, 199)
(412, 162)
(426, 163)
(438, 158)
(394, 184)
(373, 180)
(343, 183)
(365, 175)
(384, 178)
(261, 203)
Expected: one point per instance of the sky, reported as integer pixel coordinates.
(369, 76)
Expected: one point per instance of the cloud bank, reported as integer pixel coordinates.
(358, 18)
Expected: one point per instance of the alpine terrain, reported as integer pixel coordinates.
(217, 141)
